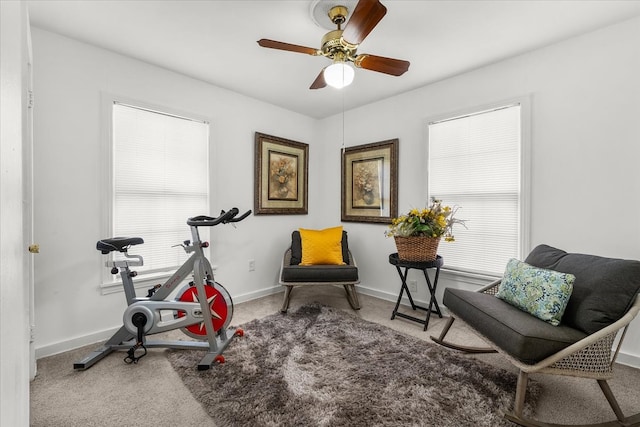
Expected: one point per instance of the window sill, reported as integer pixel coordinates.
(469, 277)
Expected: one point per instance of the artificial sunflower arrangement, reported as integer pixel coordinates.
(434, 221)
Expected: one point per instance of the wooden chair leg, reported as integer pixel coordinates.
(467, 349)
(445, 330)
(352, 296)
(604, 386)
(518, 403)
(521, 393)
(287, 296)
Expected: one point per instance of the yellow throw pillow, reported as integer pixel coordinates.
(321, 246)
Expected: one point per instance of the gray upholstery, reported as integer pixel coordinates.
(604, 289)
(518, 333)
(318, 273)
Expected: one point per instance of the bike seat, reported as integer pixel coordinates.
(120, 244)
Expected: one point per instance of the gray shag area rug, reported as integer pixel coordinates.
(321, 366)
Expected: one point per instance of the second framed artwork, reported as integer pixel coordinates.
(370, 182)
(281, 168)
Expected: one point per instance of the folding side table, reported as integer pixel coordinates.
(418, 265)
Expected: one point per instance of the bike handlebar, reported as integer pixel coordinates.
(224, 218)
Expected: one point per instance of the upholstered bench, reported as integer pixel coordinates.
(602, 301)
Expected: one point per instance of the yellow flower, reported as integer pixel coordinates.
(435, 220)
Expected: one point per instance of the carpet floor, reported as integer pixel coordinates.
(152, 393)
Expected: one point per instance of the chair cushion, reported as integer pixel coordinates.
(603, 291)
(296, 248)
(538, 291)
(319, 273)
(518, 333)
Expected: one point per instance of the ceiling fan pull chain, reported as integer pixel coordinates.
(343, 147)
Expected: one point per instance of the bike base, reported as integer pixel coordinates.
(214, 353)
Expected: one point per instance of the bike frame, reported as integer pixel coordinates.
(198, 265)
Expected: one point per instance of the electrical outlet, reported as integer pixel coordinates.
(413, 286)
(252, 264)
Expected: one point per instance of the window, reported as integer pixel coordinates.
(475, 161)
(159, 177)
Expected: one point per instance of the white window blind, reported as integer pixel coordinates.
(160, 178)
(474, 163)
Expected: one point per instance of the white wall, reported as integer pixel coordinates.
(69, 79)
(585, 106)
(585, 138)
(14, 286)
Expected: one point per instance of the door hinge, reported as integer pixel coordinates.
(30, 99)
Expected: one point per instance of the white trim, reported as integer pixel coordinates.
(628, 360)
(525, 174)
(476, 112)
(73, 343)
(250, 296)
(106, 199)
(160, 110)
(388, 296)
(471, 278)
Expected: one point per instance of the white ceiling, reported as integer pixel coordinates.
(215, 41)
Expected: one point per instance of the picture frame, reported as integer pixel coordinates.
(370, 182)
(281, 176)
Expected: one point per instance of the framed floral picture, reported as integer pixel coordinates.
(370, 182)
(281, 174)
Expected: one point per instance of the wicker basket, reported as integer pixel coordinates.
(417, 248)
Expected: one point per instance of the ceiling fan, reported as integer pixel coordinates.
(341, 45)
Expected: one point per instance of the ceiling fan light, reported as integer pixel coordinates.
(339, 75)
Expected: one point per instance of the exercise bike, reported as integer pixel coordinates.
(202, 308)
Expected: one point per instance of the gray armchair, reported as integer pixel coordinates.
(293, 274)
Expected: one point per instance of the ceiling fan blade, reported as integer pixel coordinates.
(287, 46)
(319, 82)
(395, 67)
(364, 18)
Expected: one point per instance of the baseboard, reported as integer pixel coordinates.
(249, 296)
(72, 344)
(628, 359)
(387, 296)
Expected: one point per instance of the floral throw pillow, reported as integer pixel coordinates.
(540, 292)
